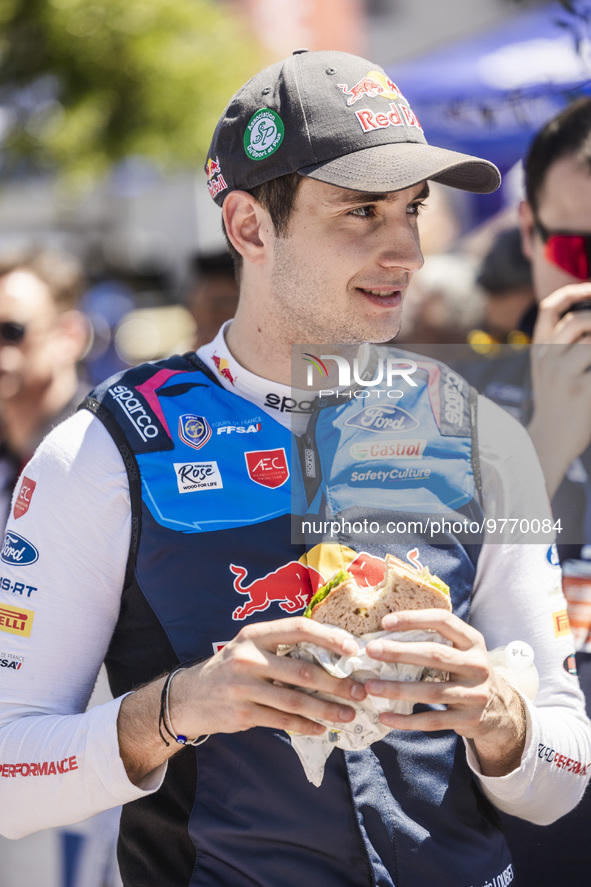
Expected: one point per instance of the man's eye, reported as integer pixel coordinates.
(364, 211)
(415, 208)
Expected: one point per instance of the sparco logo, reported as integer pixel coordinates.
(453, 399)
(18, 551)
(384, 420)
(135, 411)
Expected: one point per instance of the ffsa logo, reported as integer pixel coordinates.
(387, 370)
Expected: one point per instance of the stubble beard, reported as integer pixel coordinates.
(303, 310)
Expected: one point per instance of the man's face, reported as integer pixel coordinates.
(27, 365)
(341, 272)
(564, 206)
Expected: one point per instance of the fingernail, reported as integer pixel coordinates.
(358, 691)
(375, 648)
(318, 728)
(375, 688)
(346, 714)
(350, 647)
(390, 621)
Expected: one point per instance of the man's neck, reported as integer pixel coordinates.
(258, 349)
(266, 351)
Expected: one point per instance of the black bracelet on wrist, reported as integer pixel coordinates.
(164, 717)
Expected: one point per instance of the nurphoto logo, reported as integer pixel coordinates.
(350, 373)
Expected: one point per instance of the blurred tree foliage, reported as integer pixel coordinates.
(85, 83)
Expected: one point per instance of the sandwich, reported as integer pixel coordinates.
(359, 610)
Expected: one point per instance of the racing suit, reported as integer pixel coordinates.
(208, 536)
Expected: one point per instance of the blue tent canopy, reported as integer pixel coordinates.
(489, 94)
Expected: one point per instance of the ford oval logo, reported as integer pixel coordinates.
(384, 420)
(18, 551)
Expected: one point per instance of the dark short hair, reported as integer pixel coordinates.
(504, 267)
(60, 272)
(566, 135)
(278, 197)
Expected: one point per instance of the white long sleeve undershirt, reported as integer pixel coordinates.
(79, 520)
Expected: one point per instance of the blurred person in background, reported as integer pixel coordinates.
(548, 387)
(43, 336)
(443, 304)
(505, 279)
(212, 297)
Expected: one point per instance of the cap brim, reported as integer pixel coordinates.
(404, 164)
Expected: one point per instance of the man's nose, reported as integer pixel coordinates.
(402, 249)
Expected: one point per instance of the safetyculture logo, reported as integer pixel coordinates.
(388, 369)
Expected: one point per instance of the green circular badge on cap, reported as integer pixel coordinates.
(264, 134)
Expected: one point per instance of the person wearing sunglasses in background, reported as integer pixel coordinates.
(549, 389)
(42, 338)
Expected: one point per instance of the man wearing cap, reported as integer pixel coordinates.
(181, 571)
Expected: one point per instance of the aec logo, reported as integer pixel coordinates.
(23, 500)
(267, 467)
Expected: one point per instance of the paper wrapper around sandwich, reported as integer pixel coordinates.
(366, 728)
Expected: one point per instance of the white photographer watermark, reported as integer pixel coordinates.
(350, 374)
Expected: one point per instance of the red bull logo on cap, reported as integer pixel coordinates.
(373, 85)
(215, 179)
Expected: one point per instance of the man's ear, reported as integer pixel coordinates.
(527, 226)
(74, 338)
(247, 226)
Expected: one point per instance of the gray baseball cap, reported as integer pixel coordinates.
(337, 118)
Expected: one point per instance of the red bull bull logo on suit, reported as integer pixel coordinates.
(292, 585)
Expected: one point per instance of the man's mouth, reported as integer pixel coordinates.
(382, 293)
(386, 298)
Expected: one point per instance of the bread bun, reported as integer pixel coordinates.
(360, 610)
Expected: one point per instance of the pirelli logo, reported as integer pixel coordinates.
(561, 623)
(16, 620)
